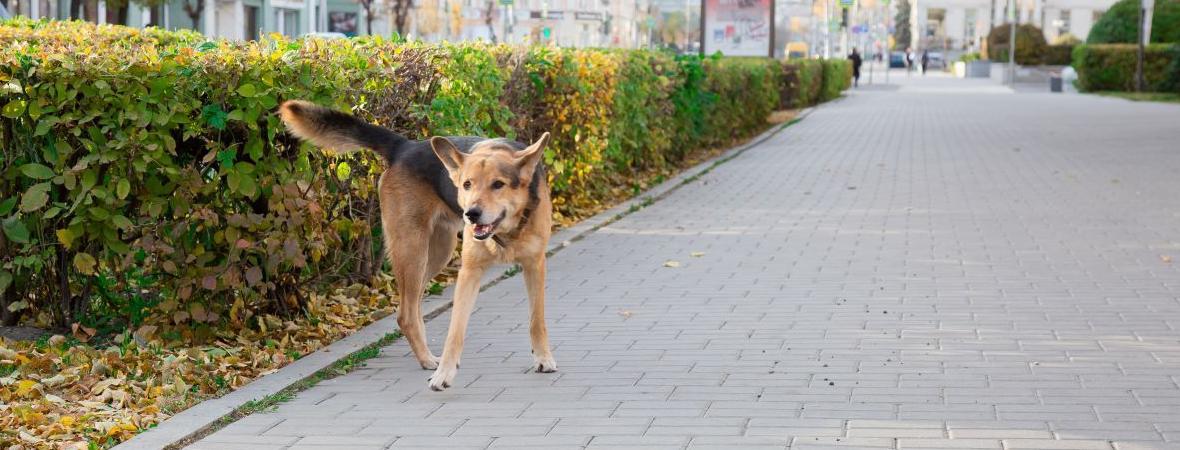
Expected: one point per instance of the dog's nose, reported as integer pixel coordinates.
(473, 214)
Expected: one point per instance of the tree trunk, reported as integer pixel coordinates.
(401, 12)
(487, 17)
(194, 13)
(369, 17)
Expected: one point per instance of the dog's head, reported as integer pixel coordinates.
(493, 181)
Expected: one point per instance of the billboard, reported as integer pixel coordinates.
(737, 27)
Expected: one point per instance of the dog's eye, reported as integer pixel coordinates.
(467, 185)
(497, 184)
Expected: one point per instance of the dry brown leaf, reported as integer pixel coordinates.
(671, 263)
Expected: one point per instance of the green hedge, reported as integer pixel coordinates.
(1111, 67)
(837, 77)
(1058, 55)
(811, 81)
(1120, 23)
(1030, 44)
(145, 178)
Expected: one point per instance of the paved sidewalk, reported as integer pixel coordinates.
(922, 266)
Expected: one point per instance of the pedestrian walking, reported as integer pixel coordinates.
(925, 60)
(855, 58)
(909, 61)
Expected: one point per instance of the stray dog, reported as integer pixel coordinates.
(429, 189)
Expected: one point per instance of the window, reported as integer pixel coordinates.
(934, 21)
(287, 21)
(251, 23)
(1062, 22)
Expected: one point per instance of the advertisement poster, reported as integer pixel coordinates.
(737, 27)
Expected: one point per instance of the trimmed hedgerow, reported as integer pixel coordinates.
(1111, 67)
(144, 177)
(1120, 23)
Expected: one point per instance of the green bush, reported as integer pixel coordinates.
(837, 77)
(144, 177)
(1057, 55)
(1111, 67)
(1120, 23)
(1171, 81)
(803, 82)
(746, 92)
(1030, 44)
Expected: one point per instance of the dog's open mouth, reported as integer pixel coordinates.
(483, 231)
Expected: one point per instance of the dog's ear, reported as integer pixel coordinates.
(527, 159)
(450, 155)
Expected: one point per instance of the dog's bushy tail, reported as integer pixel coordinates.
(337, 130)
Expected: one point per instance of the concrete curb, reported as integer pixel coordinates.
(205, 415)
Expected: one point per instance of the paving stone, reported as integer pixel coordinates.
(942, 264)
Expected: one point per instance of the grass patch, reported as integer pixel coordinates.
(1163, 97)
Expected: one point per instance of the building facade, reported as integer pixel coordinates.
(233, 19)
(963, 25)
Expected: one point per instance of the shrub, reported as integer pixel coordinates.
(1111, 67)
(969, 57)
(1066, 39)
(1171, 81)
(1120, 23)
(1030, 44)
(807, 83)
(144, 177)
(745, 93)
(1057, 55)
(837, 76)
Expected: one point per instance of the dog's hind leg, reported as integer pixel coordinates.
(534, 280)
(409, 268)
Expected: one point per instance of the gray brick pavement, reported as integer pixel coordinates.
(934, 266)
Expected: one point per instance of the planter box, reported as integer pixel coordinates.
(979, 69)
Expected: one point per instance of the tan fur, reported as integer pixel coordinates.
(526, 246)
(295, 114)
(420, 233)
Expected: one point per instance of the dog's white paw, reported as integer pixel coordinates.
(545, 364)
(442, 378)
(430, 363)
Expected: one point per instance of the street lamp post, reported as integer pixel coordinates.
(1145, 10)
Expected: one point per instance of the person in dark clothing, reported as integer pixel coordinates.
(925, 60)
(855, 58)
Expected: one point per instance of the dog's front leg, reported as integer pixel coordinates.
(534, 280)
(464, 302)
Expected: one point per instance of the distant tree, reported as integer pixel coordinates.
(428, 18)
(901, 24)
(194, 10)
(489, 15)
(1120, 23)
(671, 29)
(401, 12)
(370, 13)
(456, 19)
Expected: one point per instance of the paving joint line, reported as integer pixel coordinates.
(211, 415)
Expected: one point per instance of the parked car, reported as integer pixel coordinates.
(896, 60)
(936, 61)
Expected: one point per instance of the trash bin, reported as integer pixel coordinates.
(1055, 83)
